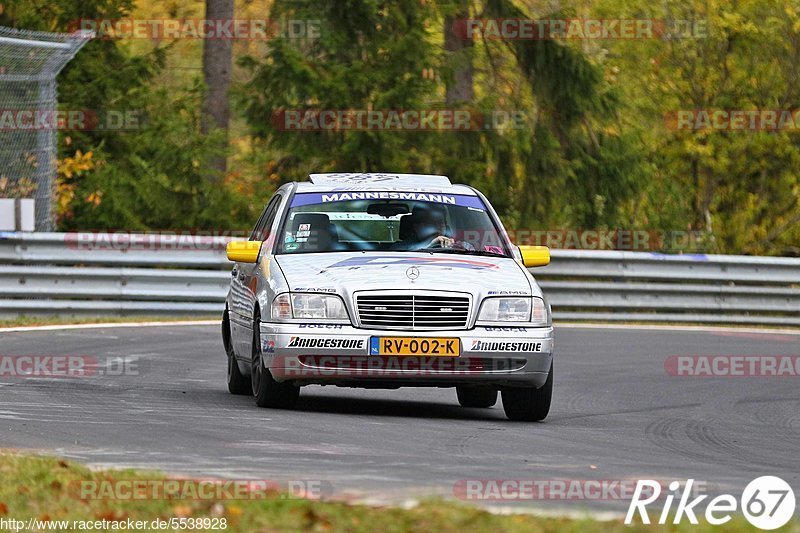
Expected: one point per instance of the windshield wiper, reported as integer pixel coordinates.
(483, 253)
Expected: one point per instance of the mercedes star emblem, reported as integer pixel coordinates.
(412, 273)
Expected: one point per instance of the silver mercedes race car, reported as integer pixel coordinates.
(386, 281)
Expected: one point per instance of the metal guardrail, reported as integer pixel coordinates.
(66, 274)
(652, 287)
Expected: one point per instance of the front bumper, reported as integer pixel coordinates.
(340, 355)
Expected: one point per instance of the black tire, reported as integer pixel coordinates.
(476, 396)
(237, 382)
(529, 404)
(267, 391)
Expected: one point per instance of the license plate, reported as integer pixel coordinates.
(439, 347)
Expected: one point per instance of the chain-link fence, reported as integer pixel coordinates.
(29, 63)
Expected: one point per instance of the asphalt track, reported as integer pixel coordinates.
(617, 415)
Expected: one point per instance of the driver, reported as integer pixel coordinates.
(430, 230)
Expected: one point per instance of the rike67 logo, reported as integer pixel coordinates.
(767, 502)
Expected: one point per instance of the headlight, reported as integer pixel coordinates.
(309, 306)
(529, 310)
(318, 306)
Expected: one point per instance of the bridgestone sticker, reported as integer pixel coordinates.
(345, 344)
(484, 346)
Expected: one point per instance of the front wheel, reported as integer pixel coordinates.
(267, 391)
(237, 383)
(476, 396)
(529, 404)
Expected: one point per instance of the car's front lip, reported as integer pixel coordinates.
(341, 356)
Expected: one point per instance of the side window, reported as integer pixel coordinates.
(262, 229)
(260, 224)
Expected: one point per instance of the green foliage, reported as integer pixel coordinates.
(103, 74)
(161, 183)
(740, 186)
(371, 54)
(597, 149)
(564, 166)
(149, 175)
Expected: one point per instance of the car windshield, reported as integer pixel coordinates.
(390, 221)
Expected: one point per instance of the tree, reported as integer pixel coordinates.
(459, 82)
(370, 54)
(217, 65)
(739, 188)
(149, 175)
(565, 166)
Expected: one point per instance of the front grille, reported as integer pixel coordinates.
(413, 311)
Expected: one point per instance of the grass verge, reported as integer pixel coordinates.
(32, 321)
(51, 489)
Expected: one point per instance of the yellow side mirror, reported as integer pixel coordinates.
(243, 251)
(535, 256)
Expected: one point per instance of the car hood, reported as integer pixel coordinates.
(347, 272)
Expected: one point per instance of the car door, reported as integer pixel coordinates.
(244, 282)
